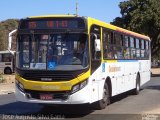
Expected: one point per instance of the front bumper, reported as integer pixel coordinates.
(80, 97)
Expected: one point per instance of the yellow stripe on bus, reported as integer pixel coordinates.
(109, 61)
(100, 23)
(92, 21)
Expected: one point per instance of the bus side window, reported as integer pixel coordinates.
(107, 48)
(126, 53)
(126, 41)
(119, 49)
(132, 46)
(126, 47)
(142, 49)
(118, 39)
(111, 52)
(109, 45)
(138, 45)
(146, 49)
(120, 54)
(105, 44)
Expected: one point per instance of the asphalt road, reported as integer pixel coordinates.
(145, 106)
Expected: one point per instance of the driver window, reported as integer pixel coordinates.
(95, 47)
(95, 43)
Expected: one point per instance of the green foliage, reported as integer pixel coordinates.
(142, 16)
(3, 43)
(6, 27)
(1, 78)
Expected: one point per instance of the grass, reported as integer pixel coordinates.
(1, 78)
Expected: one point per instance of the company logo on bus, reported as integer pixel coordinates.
(46, 79)
(114, 69)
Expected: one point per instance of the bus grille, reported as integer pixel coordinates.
(48, 77)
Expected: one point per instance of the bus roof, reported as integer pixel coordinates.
(95, 21)
(112, 27)
(53, 16)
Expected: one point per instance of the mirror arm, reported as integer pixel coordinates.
(10, 41)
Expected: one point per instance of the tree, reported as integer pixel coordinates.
(3, 44)
(142, 16)
(6, 27)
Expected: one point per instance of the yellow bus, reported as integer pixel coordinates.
(67, 59)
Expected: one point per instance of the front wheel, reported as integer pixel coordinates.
(101, 104)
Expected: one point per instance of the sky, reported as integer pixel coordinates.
(105, 10)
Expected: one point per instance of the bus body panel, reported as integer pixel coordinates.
(93, 91)
(125, 79)
(145, 72)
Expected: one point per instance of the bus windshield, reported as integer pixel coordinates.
(66, 51)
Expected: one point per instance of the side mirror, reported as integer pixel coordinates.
(97, 43)
(10, 41)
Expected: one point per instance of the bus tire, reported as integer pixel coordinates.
(137, 89)
(101, 104)
(7, 70)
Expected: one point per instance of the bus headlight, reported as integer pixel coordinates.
(83, 84)
(75, 88)
(79, 86)
(20, 86)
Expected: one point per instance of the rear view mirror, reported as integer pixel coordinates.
(97, 44)
(10, 41)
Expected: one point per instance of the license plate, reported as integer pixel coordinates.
(46, 97)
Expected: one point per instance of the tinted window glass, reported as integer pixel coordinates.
(142, 44)
(138, 53)
(126, 41)
(132, 42)
(120, 54)
(118, 39)
(142, 53)
(147, 45)
(126, 53)
(137, 43)
(133, 53)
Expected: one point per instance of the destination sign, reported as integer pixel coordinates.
(52, 24)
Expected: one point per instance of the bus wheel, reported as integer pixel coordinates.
(137, 89)
(7, 71)
(101, 104)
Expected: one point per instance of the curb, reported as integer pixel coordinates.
(3, 92)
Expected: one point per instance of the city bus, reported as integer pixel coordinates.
(52, 67)
(7, 65)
